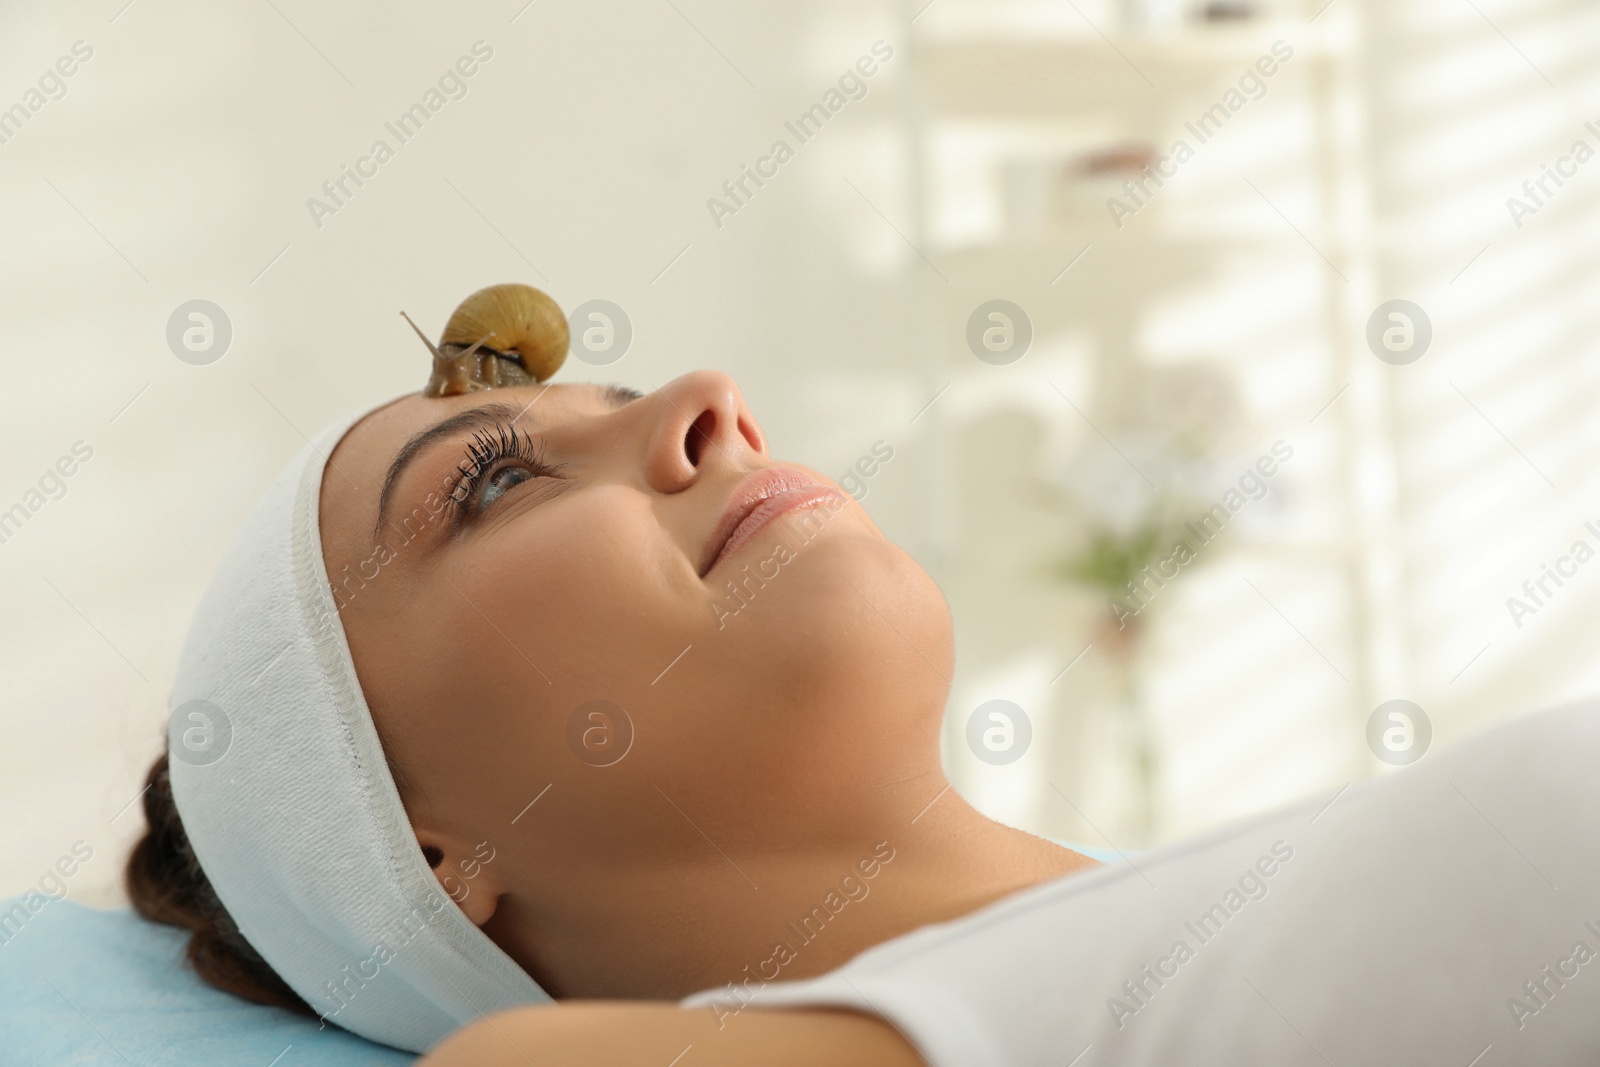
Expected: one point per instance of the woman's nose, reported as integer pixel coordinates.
(701, 422)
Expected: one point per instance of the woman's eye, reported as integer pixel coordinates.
(496, 463)
(501, 482)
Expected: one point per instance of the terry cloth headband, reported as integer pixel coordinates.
(287, 799)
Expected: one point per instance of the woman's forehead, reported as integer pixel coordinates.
(385, 429)
(380, 434)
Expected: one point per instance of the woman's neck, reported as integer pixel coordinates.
(667, 931)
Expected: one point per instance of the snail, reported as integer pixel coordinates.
(504, 335)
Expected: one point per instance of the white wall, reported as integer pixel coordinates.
(179, 162)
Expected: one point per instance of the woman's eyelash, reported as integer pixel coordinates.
(487, 449)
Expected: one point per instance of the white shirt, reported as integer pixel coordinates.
(1445, 913)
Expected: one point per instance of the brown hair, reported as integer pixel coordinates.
(166, 885)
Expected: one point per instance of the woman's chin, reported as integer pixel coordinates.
(817, 681)
(848, 608)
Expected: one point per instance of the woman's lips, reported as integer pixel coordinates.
(758, 499)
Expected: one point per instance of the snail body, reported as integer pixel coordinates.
(504, 335)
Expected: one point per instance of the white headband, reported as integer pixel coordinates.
(287, 799)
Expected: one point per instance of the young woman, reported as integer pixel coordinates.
(663, 714)
(783, 668)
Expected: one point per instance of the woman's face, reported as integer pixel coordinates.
(560, 602)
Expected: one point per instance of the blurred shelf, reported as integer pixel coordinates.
(1015, 18)
(1143, 254)
(1033, 76)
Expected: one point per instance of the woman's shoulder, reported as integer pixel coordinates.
(623, 1033)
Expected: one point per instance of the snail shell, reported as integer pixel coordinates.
(504, 335)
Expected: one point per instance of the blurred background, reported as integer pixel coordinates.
(1089, 272)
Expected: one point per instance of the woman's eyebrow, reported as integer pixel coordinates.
(478, 418)
(620, 395)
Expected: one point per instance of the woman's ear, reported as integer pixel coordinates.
(465, 871)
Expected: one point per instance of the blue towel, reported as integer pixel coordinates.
(1103, 853)
(80, 986)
